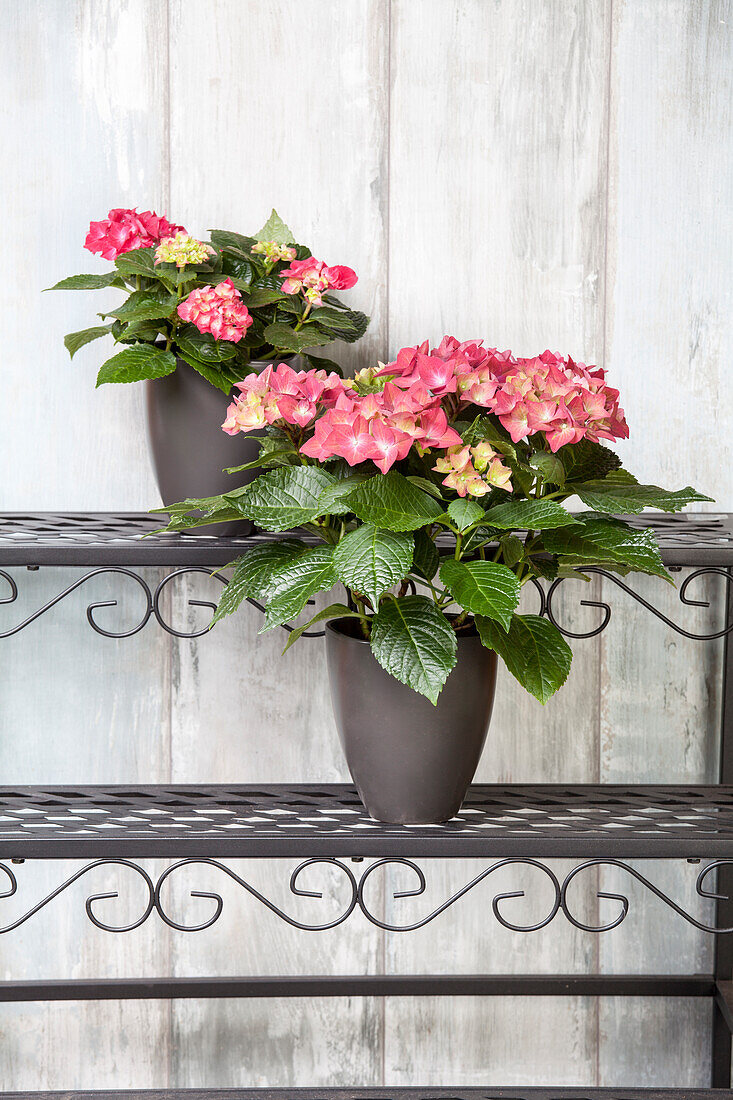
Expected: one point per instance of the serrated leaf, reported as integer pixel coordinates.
(549, 467)
(370, 561)
(512, 549)
(75, 340)
(529, 515)
(293, 583)
(213, 375)
(140, 261)
(348, 325)
(426, 558)
(464, 513)
(586, 460)
(333, 611)
(264, 459)
(489, 429)
(283, 498)
(609, 496)
(143, 306)
(393, 503)
(258, 296)
(136, 363)
(285, 338)
(482, 587)
(223, 238)
(88, 282)
(253, 573)
(597, 541)
(203, 346)
(533, 650)
(275, 230)
(332, 501)
(414, 642)
(427, 486)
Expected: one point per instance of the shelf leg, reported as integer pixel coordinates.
(723, 965)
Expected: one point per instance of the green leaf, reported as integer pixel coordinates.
(489, 429)
(240, 268)
(293, 583)
(265, 458)
(414, 642)
(222, 238)
(482, 587)
(464, 513)
(333, 611)
(253, 573)
(533, 650)
(348, 325)
(370, 561)
(213, 375)
(135, 363)
(75, 340)
(283, 498)
(427, 486)
(331, 500)
(426, 558)
(88, 282)
(512, 549)
(143, 306)
(275, 230)
(586, 460)
(529, 515)
(259, 296)
(549, 467)
(285, 338)
(392, 502)
(597, 541)
(203, 346)
(140, 261)
(607, 496)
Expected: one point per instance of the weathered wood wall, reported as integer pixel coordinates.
(537, 172)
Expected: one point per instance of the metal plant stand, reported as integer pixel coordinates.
(326, 827)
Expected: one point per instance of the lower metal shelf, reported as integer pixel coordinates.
(387, 1092)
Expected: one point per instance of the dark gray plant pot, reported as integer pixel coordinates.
(411, 762)
(189, 450)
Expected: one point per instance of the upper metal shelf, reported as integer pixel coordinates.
(126, 538)
(328, 820)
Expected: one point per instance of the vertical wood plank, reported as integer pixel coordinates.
(85, 130)
(667, 325)
(288, 109)
(497, 230)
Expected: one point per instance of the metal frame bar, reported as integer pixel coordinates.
(723, 958)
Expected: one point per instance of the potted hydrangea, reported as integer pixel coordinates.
(199, 317)
(431, 489)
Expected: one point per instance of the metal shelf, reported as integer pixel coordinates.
(329, 820)
(127, 538)
(387, 1092)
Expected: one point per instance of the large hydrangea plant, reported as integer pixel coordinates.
(433, 488)
(216, 305)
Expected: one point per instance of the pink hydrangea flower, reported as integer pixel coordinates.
(218, 310)
(313, 278)
(126, 230)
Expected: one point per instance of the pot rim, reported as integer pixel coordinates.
(332, 625)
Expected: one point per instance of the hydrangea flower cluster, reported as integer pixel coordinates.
(181, 250)
(473, 471)
(313, 278)
(274, 252)
(126, 230)
(217, 309)
(564, 400)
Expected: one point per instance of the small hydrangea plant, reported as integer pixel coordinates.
(216, 305)
(435, 487)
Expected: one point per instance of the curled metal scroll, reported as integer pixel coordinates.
(624, 901)
(152, 604)
(420, 889)
(606, 609)
(92, 606)
(294, 888)
(88, 905)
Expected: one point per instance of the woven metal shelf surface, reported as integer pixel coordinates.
(126, 538)
(386, 1092)
(292, 820)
